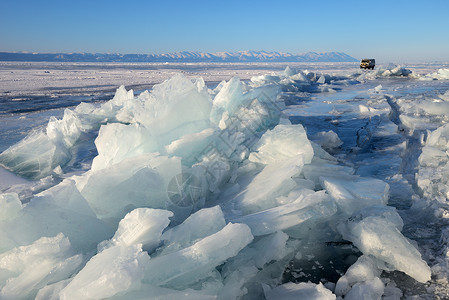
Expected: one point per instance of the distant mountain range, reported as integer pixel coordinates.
(184, 56)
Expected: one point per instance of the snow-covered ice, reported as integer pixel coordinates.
(311, 181)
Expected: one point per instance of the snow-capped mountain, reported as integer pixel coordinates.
(184, 56)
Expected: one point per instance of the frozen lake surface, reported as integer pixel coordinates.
(318, 180)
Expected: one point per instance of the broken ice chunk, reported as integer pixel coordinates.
(51, 291)
(59, 209)
(151, 292)
(116, 142)
(439, 138)
(307, 206)
(432, 157)
(189, 146)
(368, 290)
(32, 267)
(324, 78)
(141, 226)
(139, 181)
(65, 195)
(201, 224)
(182, 268)
(353, 193)
(320, 153)
(259, 110)
(387, 213)
(280, 143)
(122, 95)
(113, 109)
(441, 74)
(274, 180)
(271, 247)
(67, 130)
(179, 107)
(378, 236)
(302, 290)
(234, 282)
(251, 261)
(325, 168)
(416, 123)
(112, 271)
(435, 108)
(289, 71)
(227, 100)
(41, 152)
(35, 156)
(10, 205)
(363, 270)
(328, 140)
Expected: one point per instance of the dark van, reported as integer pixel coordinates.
(367, 63)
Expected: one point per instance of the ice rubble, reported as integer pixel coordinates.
(31, 267)
(208, 199)
(385, 71)
(425, 121)
(433, 176)
(441, 74)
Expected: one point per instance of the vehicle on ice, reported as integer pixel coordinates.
(367, 63)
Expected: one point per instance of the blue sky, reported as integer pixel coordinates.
(390, 31)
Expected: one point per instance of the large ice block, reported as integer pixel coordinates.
(352, 193)
(273, 181)
(29, 268)
(439, 137)
(306, 207)
(65, 195)
(187, 266)
(112, 271)
(51, 291)
(433, 175)
(190, 146)
(329, 140)
(363, 270)
(250, 113)
(139, 181)
(376, 233)
(35, 157)
(116, 142)
(320, 167)
(369, 290)
(42, 151)
(178, 106)
(200, 224)
(227, 100)
(141, 226)
(67, 130)
(280, 143)
(59, 209)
